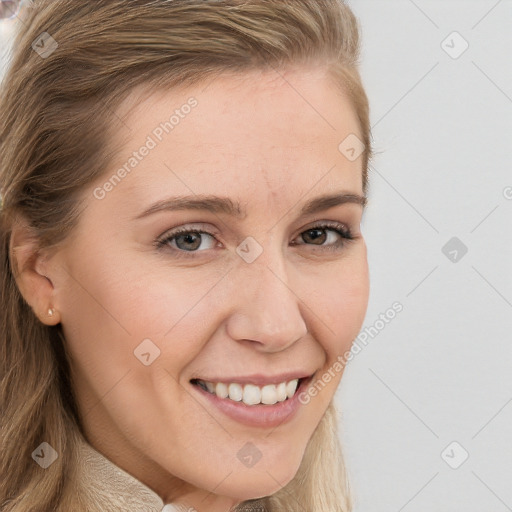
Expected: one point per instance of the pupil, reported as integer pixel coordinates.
(189, 239)
(319, 232)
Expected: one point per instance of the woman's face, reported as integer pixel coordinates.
(260, 292)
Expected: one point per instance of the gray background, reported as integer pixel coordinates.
(439, 372)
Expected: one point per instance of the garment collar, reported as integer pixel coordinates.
(108, 487)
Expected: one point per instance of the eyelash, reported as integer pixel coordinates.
(345, 233)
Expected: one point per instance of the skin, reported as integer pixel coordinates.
(255, 139)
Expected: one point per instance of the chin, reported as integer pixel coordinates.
(253, 484)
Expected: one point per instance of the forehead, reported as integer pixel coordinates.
(269, 133)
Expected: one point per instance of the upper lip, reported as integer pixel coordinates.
(260, 379)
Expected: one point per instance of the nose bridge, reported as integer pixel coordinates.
(267, 307)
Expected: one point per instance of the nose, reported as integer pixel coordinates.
(268, 311)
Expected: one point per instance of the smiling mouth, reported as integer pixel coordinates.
(250, 394)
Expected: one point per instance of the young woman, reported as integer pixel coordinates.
(182, 266)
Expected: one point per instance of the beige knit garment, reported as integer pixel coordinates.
(110, 488)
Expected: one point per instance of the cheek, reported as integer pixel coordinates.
(340, 307)
(107, 311)
(341, 304)
(114, 306)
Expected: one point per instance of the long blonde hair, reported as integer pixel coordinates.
(56, 110)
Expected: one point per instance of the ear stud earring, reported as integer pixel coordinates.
(51, 312)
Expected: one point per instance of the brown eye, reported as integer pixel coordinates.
(327, 236)
(316, 236)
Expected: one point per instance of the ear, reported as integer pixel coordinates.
(29, 265)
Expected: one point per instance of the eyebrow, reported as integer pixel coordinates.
(225, 205)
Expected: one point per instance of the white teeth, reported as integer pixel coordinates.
(291, 387)
(269, 394)
(281, 392)
(235, 392)
(221, 390)
(251, 394)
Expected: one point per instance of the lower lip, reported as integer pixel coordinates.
(261, 415)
